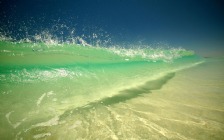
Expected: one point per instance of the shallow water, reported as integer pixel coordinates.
(76, 92)
(189, 106)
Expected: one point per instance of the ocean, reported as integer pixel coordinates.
(52, 90)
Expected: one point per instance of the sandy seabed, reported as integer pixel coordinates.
(189, 106)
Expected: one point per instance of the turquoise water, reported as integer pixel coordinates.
(49, 88)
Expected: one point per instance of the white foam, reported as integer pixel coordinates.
(40, 99)
(50, 93)
(62, 72)
(17, 123)
(126, 59)
(150, 54)
(51, 122)
(76, 124)
(38, 136)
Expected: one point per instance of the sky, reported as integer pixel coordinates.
(194, 24)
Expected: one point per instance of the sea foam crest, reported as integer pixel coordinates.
(4, 37)
(152, 54)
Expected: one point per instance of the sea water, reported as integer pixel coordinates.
(72, 91)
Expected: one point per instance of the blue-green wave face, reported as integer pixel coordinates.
(42, 80)
(41, 62)
(86, 70)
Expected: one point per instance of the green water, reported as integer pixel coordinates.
(67, 91)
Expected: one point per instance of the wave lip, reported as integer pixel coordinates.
(29, 53)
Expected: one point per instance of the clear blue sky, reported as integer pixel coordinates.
(195, 24)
